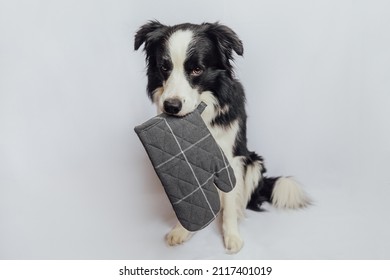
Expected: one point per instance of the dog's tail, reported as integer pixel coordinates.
(281, 192)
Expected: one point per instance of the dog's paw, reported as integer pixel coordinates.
(177, 235)
(233, 243)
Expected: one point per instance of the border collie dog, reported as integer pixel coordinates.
(187, 64)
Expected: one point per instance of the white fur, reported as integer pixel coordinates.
(177, 235)
(288, 193)
(232, 210)
(177, 86)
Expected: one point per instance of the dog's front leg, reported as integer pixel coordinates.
(231, 236)
(177, 235)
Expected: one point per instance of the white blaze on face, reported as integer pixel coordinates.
(177, 85)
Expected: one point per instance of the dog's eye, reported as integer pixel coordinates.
(165, 65)
(197, 71)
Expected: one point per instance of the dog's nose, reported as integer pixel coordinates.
(172, 106)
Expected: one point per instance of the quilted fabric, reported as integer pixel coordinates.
(188, 163)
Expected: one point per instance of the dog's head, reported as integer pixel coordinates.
(186, 60)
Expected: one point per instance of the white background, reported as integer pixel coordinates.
(75, 182)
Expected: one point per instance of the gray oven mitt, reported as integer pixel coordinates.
(188, 162)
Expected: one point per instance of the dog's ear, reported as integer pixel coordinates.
(226, 39)
(149, 33)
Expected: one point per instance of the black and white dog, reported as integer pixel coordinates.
(187, 64)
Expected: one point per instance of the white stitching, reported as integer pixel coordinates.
(193, 172)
